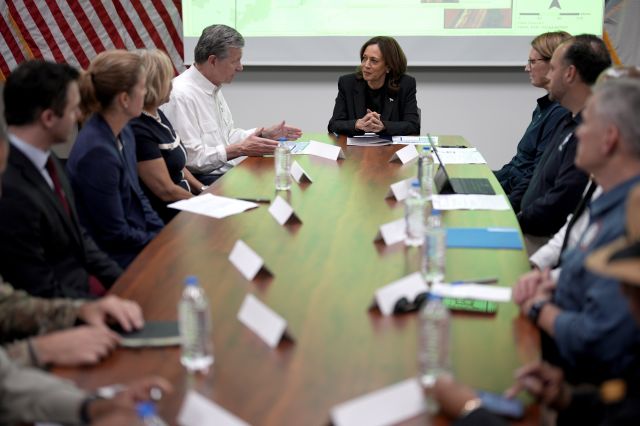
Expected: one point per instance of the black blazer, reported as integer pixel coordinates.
(42, 250)
(399, 115)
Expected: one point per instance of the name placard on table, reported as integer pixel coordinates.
(247, 261)
(262, 320)
(404, 155)
(282, 211)
(410, 286)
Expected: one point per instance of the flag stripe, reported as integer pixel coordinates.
(166, 18)
(128, 25)
(22, 28)
(74, 31)
(44, 30)
(109, 27)
(82, 22)
(69, 37)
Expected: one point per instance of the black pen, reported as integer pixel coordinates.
(254, 200)
(454, 146)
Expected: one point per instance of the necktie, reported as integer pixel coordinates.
(57, 188)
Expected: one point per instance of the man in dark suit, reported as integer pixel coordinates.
(43, 248)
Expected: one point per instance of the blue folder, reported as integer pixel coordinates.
(492, 238)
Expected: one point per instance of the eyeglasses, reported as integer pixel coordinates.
(533, 61)
(403, 305)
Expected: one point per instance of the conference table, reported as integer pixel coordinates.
(325, 272)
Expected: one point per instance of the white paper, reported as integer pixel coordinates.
(299, 174)
(491, 293)
(213, 205)
(392, 232)
(409, 287)
(324, 150)
(460, 156)
(470, 202)
(260, 319)
(387, 406)
(245, 260)
(400, 190)
(281, 210)
(414, 140)
(405, 154)
(197, 410)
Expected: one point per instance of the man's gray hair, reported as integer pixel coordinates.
(618, 101)
(216, 40)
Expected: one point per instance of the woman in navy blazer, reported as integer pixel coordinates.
(102, 163)
(379, 97)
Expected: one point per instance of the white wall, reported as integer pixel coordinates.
(490, 107)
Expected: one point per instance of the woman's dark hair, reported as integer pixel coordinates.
(394, 58)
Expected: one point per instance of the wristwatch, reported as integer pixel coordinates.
(534, 311)
(469, 407)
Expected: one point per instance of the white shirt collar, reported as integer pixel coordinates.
(37, 156)
(201, 81)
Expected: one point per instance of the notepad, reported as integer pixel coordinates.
(153, 334)
(495, 238)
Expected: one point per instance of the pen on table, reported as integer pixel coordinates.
(254, 200)
(491, 280)
(453, 146)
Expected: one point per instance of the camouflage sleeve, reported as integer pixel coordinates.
(22, 315)
(23, 353)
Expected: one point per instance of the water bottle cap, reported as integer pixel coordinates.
(282, 140)
(415, 183)
(435, 212)
(145, 409)
(191, 280)
(426, 148)
(434, 297)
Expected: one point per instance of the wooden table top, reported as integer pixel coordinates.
(326, 271)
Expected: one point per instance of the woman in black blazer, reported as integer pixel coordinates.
(379, 97)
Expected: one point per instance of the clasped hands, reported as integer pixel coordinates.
(370, 123)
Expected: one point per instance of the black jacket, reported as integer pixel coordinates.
(399, 115)
(43, 250)
(556, 186)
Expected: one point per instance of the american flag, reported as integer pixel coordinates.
(75, 31)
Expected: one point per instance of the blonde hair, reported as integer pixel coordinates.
(545, 44)
(110, 73)
(159, 71)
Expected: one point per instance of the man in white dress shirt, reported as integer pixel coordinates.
(200, 115)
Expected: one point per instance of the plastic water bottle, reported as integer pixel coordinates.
(147, 413)
(425, 172)
(434, 249)
(195, 327)
(414, 216)
(433, 343)
(283, 165)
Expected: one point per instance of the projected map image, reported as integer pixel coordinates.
(273, 18)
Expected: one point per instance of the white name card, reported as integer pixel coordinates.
(282, 212)
(386, 406)
(399, 190)
(405, 154)
(299, 174)
(199, 411)
(263, 321)
(392, 232)
(324, 150)
(491, 293)
(409, 287)
(246, 260)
